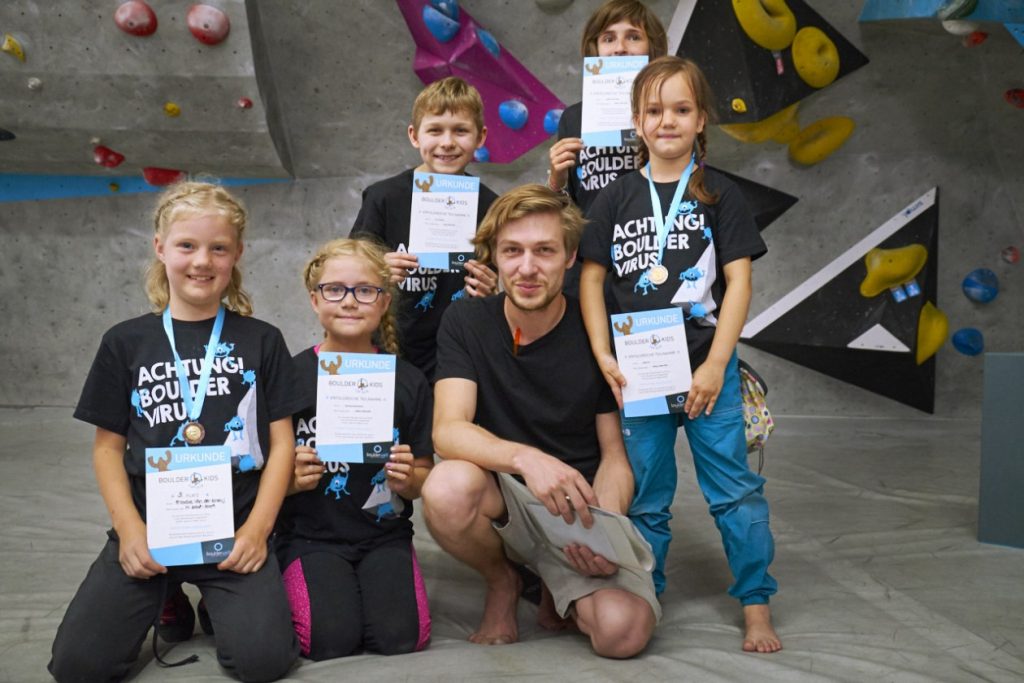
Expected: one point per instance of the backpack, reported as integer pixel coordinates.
(757, 420)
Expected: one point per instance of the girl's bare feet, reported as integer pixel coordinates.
(760, 635)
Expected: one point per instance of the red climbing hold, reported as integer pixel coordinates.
(162, 176)
(104, 156)
(136, 17)
(974, 38)
(1015, 96)
(208, 24)
(244, 103)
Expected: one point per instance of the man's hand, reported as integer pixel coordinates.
(133, 553)
(587, 562)
(401, 263)
(559, 487)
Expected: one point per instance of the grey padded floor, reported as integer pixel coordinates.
(881, 575)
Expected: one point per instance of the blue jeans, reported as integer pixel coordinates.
(735, 494)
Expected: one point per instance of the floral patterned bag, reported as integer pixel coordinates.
(756, 418)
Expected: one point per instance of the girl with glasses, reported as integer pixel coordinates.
(345, 537)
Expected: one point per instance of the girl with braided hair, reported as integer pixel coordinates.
(696, 255)
(344, 537)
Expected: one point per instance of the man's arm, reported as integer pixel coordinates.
(560, 487)
(613, 483)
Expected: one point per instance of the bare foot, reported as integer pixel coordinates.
(547, 615)
(760, 635)
(498, 625)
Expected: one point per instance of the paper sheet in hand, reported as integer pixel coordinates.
(443, 219)
(607, 117)
(190, 516)
(355, 407)
(650, 347)
(612, 536)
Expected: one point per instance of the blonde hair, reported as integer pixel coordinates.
(373, 253)
(449, 95)
(190, 199)
(649, 81)
(636, 13)
(523, 201)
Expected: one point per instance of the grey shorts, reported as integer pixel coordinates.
(526, 544)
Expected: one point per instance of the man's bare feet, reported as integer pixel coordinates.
(760, 636)
(498, 625)
(547, 615)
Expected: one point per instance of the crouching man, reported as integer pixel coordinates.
(522, 414)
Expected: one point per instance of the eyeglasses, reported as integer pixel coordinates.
(364, 294)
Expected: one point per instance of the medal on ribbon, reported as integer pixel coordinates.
(193, 432)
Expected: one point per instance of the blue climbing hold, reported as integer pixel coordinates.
(449, 8)
(481, 155)
(551, 120)
(969, 341)
(6, 135)
(981, 285)
(513, 114)
(440, 26)
(488, 41)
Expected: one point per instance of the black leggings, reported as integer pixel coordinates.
(107, 620)
(377, 603)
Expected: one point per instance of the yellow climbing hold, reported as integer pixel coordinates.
(890, 267)
(114, 187)
(820, 139)
(815, 57)
(769, 23)
(12, 47)
(932, 330)
(738, 105)
(171, 109)
(765, 129)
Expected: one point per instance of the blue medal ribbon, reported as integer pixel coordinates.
(194, 407)
(664, 223)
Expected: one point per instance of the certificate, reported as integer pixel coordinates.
(651, 350)
(190, 516)
(355, 407)
(607, 119)
(443, 219)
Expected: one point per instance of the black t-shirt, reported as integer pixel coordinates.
(425, 292)
(596, 167)
(546, 396)
(622, 237)
(133, 390)
(343, 508)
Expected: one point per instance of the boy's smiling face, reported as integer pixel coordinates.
(446, 141)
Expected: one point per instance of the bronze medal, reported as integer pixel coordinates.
(194, 433)
(658, 274)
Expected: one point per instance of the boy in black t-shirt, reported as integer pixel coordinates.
(447, 128)
(517, 394)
